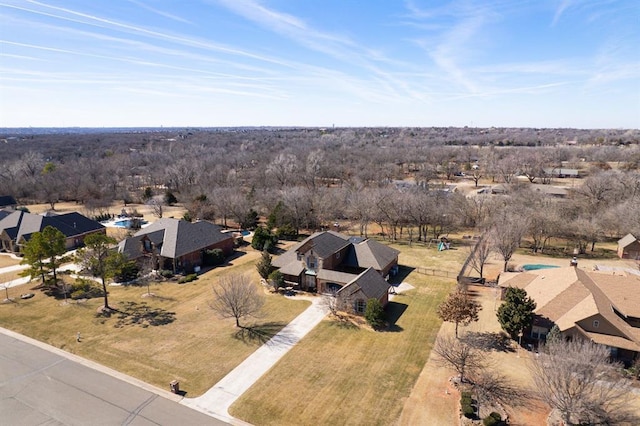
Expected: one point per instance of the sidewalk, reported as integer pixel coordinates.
(217, 400)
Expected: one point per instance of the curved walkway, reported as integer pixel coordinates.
(217, 400)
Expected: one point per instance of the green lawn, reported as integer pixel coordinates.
(193, 346)
(342, 375)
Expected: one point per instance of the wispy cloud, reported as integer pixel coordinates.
(562, 7)
(160, 12)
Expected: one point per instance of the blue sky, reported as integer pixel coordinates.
(94, 63)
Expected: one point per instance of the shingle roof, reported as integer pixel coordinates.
(324, 244)
(371, 283)
(20, 224)
(7, 200)
(179, 237)
(569, 295)
(370, 253)
(336, 276)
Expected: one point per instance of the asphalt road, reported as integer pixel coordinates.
(43, 387)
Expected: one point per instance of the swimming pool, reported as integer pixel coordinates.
(128, 223)
(536, 266)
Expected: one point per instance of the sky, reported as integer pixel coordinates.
(320, 63)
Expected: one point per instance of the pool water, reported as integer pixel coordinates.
(536, 266)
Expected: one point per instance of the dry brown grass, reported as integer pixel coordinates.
(7, 260)
(340, 374)
(196, 348)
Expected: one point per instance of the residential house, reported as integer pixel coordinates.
(17, 227)
(629, 247)
(8, 202)
(600, 307)
(176, 244)
(352, 268)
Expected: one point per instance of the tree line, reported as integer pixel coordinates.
(309, 178)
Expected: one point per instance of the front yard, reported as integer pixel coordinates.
(189, 343)
(343, 375)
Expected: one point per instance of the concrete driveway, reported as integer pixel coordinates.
(44, 385)
(217, 400)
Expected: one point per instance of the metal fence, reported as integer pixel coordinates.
(436, 272)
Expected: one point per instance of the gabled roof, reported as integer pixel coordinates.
(361, 253)
(20, 224)
(370, 253)
(324, 244)
(627, 240)
(570, 295)
(7, 200)
(176, 238)
(370, 282)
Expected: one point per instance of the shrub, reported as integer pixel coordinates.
(466, 404)
(263, 237)
(165, 273)
(374, 313)
(188, 278)
(277, 280)
(128, 272)
(85, 289)
(213, 257)
(492, 419)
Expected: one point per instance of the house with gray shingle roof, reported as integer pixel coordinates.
(352, 268)
(629, 247)
(176, 244)
(600, 307)
(17, 227)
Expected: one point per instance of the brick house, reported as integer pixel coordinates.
(176, 244)
(17, 227)
(600, 307)
(352, 268)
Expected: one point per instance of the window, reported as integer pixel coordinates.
(311, 263)
(360, 306)
(596, 323)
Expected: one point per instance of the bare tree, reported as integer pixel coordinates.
(508, 230)
(479, 254)
(236, 297)
(456, 353)
(459, 309)
(577, 379)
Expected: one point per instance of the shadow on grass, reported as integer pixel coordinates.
(394, 311)
(132, 313)
(260, 333)
(403, 273)
(489, 341)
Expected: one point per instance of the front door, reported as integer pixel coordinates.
(311, 282)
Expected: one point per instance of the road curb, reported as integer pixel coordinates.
(93, 365)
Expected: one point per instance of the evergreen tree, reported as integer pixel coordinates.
(264, 265)
(516, 313)
(374, 313)
(43, 254)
